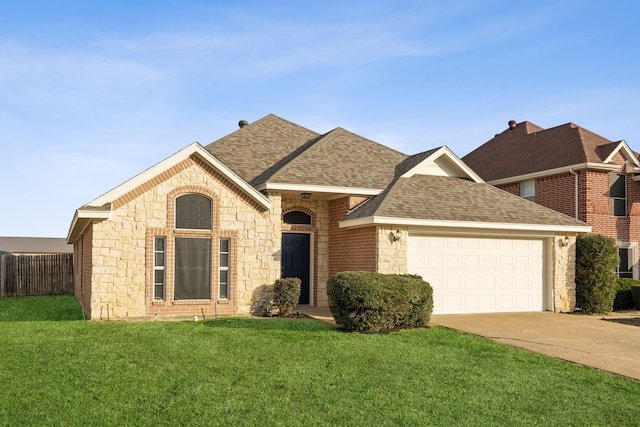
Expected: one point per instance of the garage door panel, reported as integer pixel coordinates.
(479, 275)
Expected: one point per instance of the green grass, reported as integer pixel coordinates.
(57, 370)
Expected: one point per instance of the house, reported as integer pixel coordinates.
(571, 170)
(203, 232)
(34, 245)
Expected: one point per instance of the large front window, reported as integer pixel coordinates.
(618, 194)
(192, 279)
(192, 268)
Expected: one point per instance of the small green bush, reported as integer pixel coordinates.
(635, 294)
(624, 298)
(285, 295)
(596, 262)
(362, 301)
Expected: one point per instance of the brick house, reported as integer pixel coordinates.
(206, 230)
(571, 170)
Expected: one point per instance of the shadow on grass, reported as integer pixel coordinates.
(54, 308)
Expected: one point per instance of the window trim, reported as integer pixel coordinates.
(226, 268)
(176, 216)
(632, 256)
(157, 268)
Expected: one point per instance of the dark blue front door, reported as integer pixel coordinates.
(295, 261)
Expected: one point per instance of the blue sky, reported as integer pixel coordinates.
(92, 93)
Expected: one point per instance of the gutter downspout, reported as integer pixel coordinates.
(576, 186)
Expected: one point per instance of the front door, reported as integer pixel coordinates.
(295, 261)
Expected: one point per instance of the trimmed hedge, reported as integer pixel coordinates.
(285, 295)
(363, 301)
(596, 262)
(624, 298)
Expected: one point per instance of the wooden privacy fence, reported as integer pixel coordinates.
(22, 275)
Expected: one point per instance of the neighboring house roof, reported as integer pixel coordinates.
(528, 149)
(35, 245)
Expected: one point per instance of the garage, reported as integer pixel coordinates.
(480, 274)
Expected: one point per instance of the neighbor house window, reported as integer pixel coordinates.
(192, 268)
(159, 252)
(193, 211)
(618, 194)
(528, 189)
(628, 257)
(223, 292)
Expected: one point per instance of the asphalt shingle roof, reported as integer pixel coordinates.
(277, 151)
(453, 199)
(258, 149)
(342, 159)
(529, 148)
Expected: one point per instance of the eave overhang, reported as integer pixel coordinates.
(602, 167)
(447, 224)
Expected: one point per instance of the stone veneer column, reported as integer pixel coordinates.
(391, 257)
(564, 273)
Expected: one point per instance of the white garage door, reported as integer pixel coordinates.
(479, 275)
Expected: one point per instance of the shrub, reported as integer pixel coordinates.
(285, 295)
(371, 302)
(624, 298)
(596, 262)
(635, 293)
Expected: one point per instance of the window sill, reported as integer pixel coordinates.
(192, 302)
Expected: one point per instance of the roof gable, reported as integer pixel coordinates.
(100, 208)
(440, 162)
(527, 148)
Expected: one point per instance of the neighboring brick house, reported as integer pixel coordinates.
(571, 170)
(205, 231)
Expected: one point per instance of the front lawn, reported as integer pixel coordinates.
(277, 372)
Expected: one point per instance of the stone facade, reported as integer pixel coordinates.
(122, 247)
(563, 275)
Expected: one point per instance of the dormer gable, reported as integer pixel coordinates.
(439, 162)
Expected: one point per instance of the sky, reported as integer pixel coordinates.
(94, 92)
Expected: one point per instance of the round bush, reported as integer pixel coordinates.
(371, 302)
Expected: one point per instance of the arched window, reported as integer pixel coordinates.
(193, 211)
(297, 218)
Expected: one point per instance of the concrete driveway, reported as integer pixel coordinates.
(587, 340)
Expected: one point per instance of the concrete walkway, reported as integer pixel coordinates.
(587, 340)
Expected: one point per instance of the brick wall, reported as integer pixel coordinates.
(350, 249)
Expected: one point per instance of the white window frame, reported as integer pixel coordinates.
(226, 268)
(162, 268)
(528, 189)
(632, 257)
